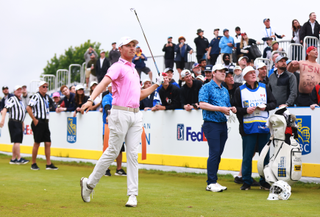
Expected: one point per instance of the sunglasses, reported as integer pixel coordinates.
(44, 86)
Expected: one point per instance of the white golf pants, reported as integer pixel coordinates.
(124, 126)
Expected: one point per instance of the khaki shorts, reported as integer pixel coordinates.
(88, 73)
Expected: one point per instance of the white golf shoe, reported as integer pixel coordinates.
(223, 187)
(214, 188)
(85, 191)
(132, 202)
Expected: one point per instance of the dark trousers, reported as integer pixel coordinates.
(200, 57)
(168, 63)
(216, 134)
(249, 143)
(213, 58)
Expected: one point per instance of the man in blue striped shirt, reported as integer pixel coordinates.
(215, 102)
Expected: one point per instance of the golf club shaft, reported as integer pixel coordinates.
(146, 40)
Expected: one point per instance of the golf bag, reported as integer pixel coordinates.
(285, 164)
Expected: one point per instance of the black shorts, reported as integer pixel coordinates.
(146, 70)
(41, 132)
(180, 64)
(122, 148)
(15, 129)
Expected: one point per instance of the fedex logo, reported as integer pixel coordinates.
(27, 130)
(190, 135)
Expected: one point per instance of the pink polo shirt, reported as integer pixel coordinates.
(126, 87)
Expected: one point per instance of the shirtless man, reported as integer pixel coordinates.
(309, 75)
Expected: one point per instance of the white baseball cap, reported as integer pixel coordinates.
(200, 77)
(102, 51)
(79, 86)
(218, 67)
(260, 65)
(145, 80)
(17, 87)
(126, 40)
(237, 67)
(185, 72)
(110, 85)
(245, 57)
(93, 83)
(42, 83)
(247, 69)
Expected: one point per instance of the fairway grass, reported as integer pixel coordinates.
(24, 192)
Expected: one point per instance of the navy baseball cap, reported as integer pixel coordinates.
(225, 30)
(208, 68)
(265, 19)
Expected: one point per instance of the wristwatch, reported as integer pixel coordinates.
(91, 100)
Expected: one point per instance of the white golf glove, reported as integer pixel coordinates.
(159, 80)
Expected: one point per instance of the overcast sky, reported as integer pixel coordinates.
(33, 31)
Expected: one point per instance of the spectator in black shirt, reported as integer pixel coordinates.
(202, 45)
(189, 91)
(147, 103)
(230, 85)
(208, 73)
(310, 28)
(114, 53)
(168, 50)
(80, 99)
(203, 64)
(68, 102)
(169, 95)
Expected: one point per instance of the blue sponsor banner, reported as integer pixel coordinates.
(180, 132)
(304, 133)
(71, 129)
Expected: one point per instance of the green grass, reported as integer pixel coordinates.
(24, 192)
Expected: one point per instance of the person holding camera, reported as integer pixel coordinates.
(189, 91)
(168, 50)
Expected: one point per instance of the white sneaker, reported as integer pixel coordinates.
(132, 202)
(214, 188)
(223, 187)
(85, 191)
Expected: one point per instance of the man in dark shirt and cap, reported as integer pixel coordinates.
(202, 45)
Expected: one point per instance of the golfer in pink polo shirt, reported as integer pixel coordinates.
(125, 120)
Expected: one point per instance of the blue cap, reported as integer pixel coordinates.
(169, 37)
(288, 61)
(225, 30)
(195, 65)
(265, 19)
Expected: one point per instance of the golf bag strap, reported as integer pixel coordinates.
(262, 156)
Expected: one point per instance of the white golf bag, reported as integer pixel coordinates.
(285, 164)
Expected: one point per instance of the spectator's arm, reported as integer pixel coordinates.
(95, 53)
(208, 53)
(293, 90)
(164, 48)
(293, 66)
(85, 54)
(106, 108)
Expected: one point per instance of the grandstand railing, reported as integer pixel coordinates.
(62, 76)
(51, 80)
(74, 73)
(265, 61)
(295, 51)
(83, 73)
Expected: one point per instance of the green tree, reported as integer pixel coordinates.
(71, 56)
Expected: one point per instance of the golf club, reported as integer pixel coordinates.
(134, 10)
